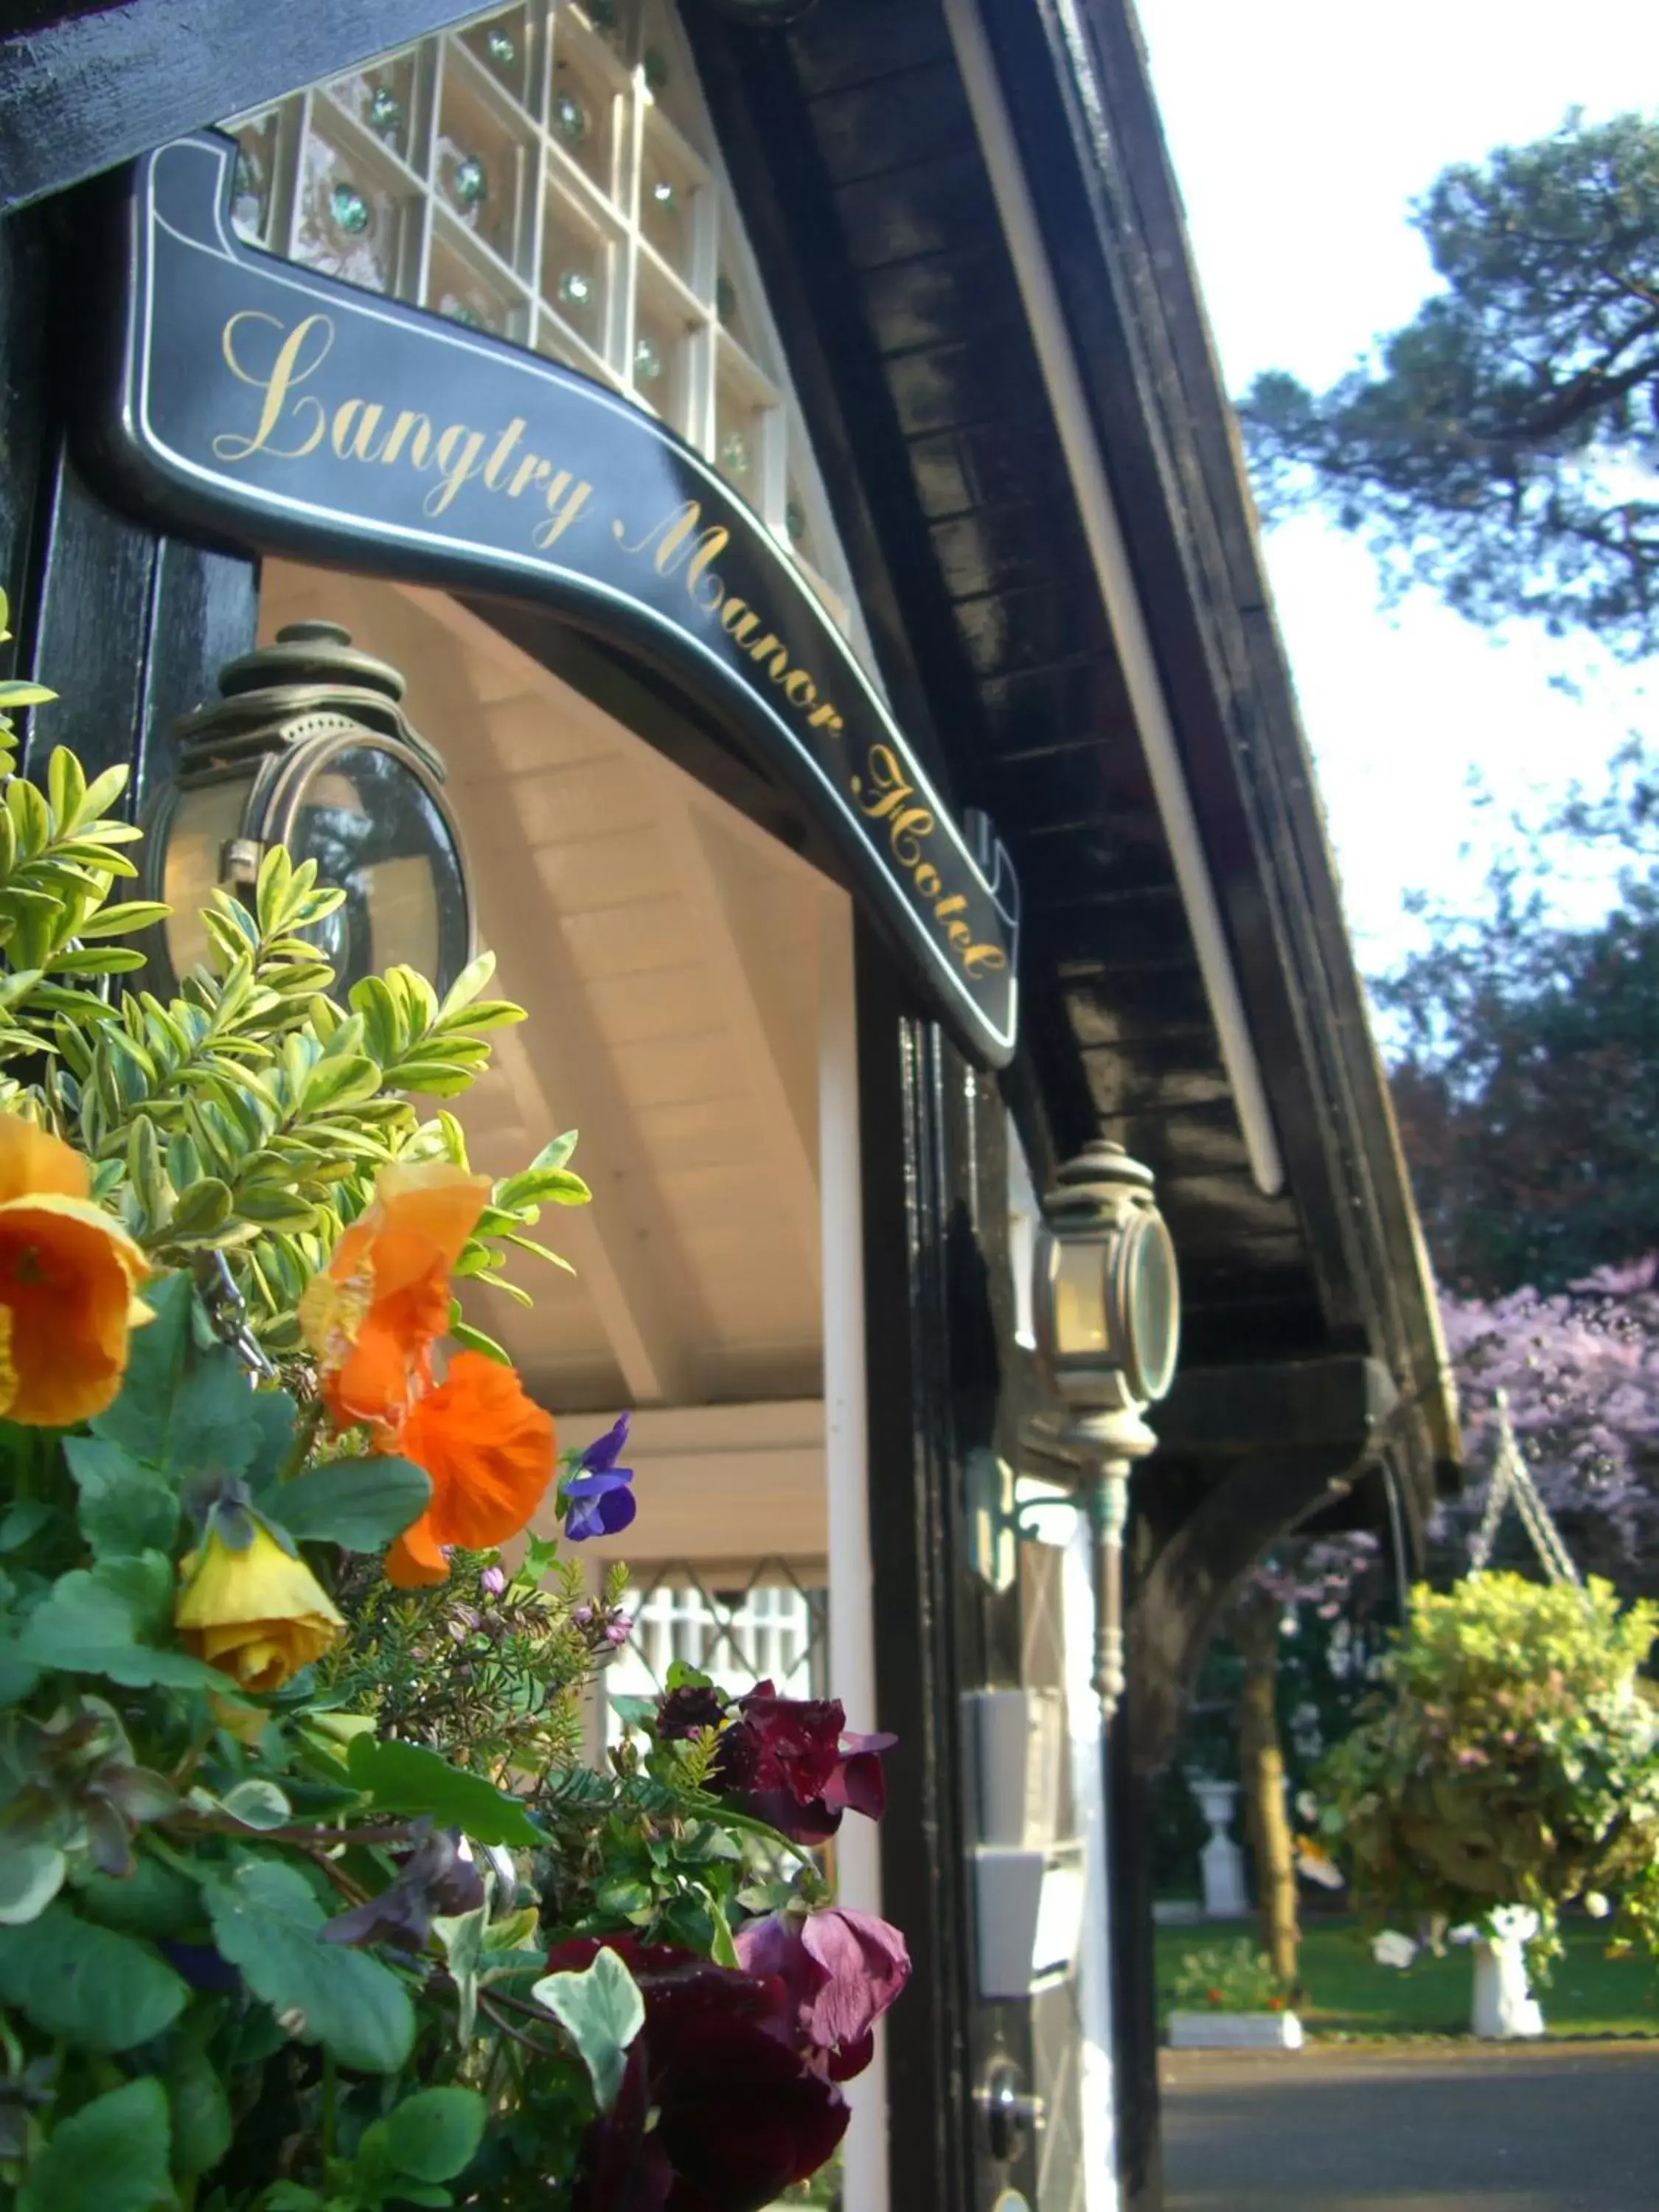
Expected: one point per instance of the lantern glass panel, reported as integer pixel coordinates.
(204, 821)
(1077, 1279)
(1154, 1302)
(377, 833)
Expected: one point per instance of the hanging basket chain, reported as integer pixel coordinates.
(1512, 1479)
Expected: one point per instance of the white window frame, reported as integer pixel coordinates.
(635, 53)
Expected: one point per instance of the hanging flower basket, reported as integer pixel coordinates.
(1508, 1762)
(306, 1899)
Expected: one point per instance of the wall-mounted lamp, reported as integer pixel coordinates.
(308, 747)
(1107, 1312)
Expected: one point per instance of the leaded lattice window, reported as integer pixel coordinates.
(548, 173)
(765, 1624)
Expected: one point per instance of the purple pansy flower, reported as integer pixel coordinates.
(598, 1496)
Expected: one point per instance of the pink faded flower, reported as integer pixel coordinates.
(842, 1970)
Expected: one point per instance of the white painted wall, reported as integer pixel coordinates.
(846, 1431)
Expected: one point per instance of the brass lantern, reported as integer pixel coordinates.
(308, 747)
(1107, 1308)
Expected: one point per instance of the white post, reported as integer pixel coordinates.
(852, 1626)
(1101, 2190)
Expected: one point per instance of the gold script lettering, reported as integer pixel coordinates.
(565, 501)
(314, 336)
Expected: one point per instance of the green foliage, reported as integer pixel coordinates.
(248, 1115)
(402, 1778)
(1227, 1978)
(245, 1962)
(603, 2011)
(110, 2156)
(1502, 447)
(490, 1679)
(1511, 1757)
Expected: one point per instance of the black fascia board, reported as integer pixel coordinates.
(1072, 73)
(82, 90)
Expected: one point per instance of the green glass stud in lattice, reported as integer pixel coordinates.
(570, 118)
(502, 46)
(647, 362)
(459, 312)
(471, 184)
(734, 452)
(655, 68)
(603, 13)
(663, 193)
(350, 210)
(794, 521)
(575, 288)
(386, 111)
(725, 299)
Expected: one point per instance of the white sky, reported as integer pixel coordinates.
(1300, 130)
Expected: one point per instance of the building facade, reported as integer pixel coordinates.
(778, 447)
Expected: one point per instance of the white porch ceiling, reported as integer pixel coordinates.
(667, 952)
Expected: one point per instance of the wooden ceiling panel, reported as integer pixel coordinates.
(667, 953)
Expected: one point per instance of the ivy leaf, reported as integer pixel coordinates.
(125, 1506)
(602, 2011)
(433, 2134)
(462, 1935)
(360, 1503)
(266, 1920)
(110, 2156)
(30, 1876)
(91, 1985)
(402, 1778)
(257, 1803)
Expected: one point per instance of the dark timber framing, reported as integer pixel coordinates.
(1313, 1391)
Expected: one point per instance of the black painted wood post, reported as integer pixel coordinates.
(934, 1198)
(128, 625)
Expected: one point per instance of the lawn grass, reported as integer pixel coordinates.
(1347, 1994)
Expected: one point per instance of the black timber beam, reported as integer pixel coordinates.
(80, 91)
(1279, 1443)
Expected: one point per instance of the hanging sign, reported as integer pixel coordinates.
(277, 408)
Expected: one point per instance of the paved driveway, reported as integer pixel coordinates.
(1414, 2128)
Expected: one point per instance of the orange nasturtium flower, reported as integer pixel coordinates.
(490, 1451)
(373, 1317)
(68, 1274)
(255, 1611)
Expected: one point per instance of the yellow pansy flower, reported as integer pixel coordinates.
(258, 1614)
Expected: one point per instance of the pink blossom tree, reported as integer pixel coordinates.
(1580, 1368)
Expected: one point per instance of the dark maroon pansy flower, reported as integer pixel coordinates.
(797, 1766)
(738, 2117)
(687, 1712)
